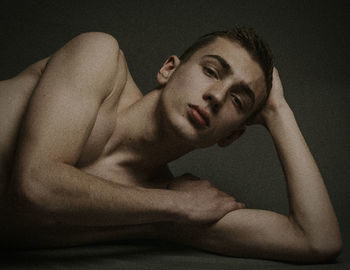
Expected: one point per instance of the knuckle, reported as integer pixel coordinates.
(239, 205)
(234, 204)
(243, 205)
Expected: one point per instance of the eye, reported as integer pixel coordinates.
(210, 72)
(236, 100)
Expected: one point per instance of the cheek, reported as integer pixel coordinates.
(177, 88)
(180, 92)
(188, 81)
(229, 118)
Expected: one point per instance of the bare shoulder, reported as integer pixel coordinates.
(97, 54)
(102, 42)
(124, 87)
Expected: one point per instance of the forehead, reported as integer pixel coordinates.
(245, 68)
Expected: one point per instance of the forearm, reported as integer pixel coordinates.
(67, 195)
(310, 205)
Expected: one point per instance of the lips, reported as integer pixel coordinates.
(199, 116)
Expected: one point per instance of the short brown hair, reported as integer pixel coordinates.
(248, 39)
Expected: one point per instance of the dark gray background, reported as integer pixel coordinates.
(310, 40)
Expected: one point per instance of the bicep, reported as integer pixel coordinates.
(65, 103)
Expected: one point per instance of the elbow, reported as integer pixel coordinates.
(28, 192)
(326, 252)
(323, 245)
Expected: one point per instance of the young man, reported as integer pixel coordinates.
(84, 154)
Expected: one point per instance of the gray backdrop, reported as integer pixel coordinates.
(310, 41)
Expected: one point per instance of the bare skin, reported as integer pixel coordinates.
(93, 173)
(83, 173)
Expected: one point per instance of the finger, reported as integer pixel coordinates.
(237, 205)
(224, 194)
(241, 205)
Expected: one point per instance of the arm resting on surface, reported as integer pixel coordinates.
(309, 234)
(46, 186)
(310, 206)
(61, 114)
(65, 194)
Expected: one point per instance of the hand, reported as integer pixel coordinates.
(200, 202)
(274, 102)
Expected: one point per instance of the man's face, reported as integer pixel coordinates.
(209, 97)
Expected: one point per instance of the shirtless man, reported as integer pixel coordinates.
(84, 154)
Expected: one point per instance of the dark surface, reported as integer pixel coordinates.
(310, 41)
(143, 255)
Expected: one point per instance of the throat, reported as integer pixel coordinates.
(141, 138)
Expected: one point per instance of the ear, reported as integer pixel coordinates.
(167, 69)
(226, 141)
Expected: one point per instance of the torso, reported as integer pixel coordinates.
(14, 97)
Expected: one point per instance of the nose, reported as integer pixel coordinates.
(215, 97)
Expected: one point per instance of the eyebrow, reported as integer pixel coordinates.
(222, 61)
(241, 88)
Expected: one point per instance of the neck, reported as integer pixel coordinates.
(142, 136)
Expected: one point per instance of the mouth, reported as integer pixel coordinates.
(199, 116)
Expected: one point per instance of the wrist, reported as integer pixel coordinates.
(164, 204)
(175, 207)
(277, 113)
(180, 212)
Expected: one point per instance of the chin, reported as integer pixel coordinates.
(181, 126)
(188, 133)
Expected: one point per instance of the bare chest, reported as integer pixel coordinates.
(105, 123)
(109, 169)
(94, 161)
(99, 135)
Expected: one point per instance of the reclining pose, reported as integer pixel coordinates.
(84, 154)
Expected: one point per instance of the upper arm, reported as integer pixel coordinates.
(261, 233)
(252, 233)
(65, 103)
